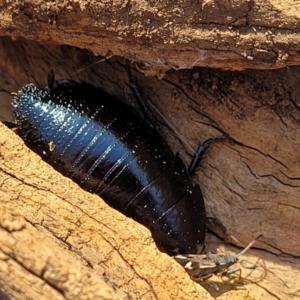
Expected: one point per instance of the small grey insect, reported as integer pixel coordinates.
(202, 266)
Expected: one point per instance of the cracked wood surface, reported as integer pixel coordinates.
(45, 276)
(163, 35)
(89, 240)
(250, 184)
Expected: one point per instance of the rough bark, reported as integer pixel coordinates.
(30, 268)
(82, 241)
(166, 34)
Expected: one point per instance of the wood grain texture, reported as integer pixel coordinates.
(163, 35)
(30, 268)
(86, 232)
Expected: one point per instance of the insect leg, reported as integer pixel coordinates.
(142, 103)
(10, 125)
(51, 79)
(199, 154)
(231, 271)
(196, 159)
(200, 151)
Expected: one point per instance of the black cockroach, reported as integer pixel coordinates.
(103, 145)
(108, 149)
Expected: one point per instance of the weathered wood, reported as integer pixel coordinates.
(167, 34)
(251, 185)
(91, 240)
(80, 242)
(30, 268)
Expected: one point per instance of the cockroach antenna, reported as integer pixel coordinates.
(106, 57)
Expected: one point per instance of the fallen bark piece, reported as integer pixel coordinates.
(220, 34)
(33, 266)
(113, 246)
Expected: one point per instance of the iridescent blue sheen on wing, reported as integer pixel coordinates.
(104, 146)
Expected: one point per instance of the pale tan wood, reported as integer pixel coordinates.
(91, 240)
(33, 266)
